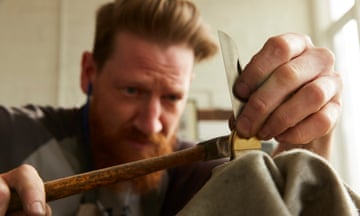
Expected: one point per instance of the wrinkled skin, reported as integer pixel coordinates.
(292, 93)
(30, 188)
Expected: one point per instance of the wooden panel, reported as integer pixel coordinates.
(214, 114)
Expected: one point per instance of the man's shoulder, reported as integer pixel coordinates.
(56, 120)
(25, 130)
(35, 111)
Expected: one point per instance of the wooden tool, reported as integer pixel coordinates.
(56, 189)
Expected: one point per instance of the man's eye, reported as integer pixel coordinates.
(131, 90)
(172, 98)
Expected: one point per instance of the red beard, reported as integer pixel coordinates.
(110, 149)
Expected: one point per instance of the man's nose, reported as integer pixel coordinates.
(148, 120)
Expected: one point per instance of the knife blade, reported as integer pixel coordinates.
(233, 69)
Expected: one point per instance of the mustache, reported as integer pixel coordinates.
(133, 133)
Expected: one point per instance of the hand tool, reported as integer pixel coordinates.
(207, 150)
(233, 69)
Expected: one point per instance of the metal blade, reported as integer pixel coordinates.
(232, 66)
(216, 148)
(233, 69)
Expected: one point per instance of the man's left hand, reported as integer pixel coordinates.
(292, 94)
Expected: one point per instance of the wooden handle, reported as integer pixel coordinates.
(71, 185)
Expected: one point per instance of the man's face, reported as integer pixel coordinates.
(137, 100)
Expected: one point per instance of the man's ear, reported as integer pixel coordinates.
(88, 71)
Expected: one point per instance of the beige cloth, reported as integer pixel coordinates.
(296, 182)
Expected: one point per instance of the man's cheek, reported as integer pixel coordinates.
(173, 127)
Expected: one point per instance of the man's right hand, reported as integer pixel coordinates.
(30, 187)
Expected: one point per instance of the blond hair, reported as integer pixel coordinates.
(162, 21)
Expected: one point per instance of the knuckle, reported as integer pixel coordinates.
(260, 65)
(327, 54)
(4, 190)
(339, 80)
(324, 123)
(27, 169)
(316, 95)
(287, 74)
(338, 104)
(278, 47)
(307, 39)
(327, 57)
(258, 104)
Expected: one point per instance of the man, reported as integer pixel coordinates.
(137, 79)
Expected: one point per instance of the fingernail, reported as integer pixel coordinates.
(242, 90)
(243, 126)
(37, 208)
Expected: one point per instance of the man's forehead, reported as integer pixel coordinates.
(131, 49)
(133, 41)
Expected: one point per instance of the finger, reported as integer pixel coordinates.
(4, 196)
(282, 83)
(21, 213)
(308, 100)
(28, 184)
(276, 51)
(313, 127)
(48, 210)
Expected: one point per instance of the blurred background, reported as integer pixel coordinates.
(41, 42)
